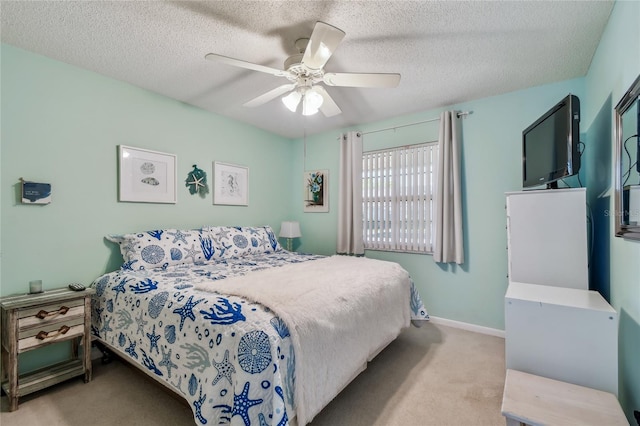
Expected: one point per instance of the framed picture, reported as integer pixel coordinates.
(230, 184)
(146, 176)
(316, 191)
(36, 193)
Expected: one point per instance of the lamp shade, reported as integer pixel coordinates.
(292, 100)
(311, 101)
(290, 230)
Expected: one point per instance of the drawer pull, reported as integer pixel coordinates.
(43, 314)
(46, 334)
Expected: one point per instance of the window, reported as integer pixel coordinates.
(397, 202)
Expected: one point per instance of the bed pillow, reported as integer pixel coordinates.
(162, 247)
(236, 241)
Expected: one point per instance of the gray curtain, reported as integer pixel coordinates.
(350, 239)
(448, 208)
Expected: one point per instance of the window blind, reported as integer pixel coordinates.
(397, 186)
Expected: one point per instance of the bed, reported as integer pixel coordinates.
(247, 332)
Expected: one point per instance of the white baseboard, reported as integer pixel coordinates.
(467, 326)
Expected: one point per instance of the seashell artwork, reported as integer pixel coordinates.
(146, 176)
(147, 168)
(150, 181)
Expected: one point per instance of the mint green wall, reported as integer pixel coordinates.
(491, 156)
(61, 124)
(615, 66)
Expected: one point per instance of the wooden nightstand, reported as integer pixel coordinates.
(31, 321)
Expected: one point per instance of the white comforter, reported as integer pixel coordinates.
(304, 296)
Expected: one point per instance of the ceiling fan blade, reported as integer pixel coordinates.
(329, 108)
(361, 80)
(244, 64)
(270, 95)
(323, 42)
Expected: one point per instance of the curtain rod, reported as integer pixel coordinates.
(459, 114)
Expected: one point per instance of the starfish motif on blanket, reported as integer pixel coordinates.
(106, 327)
(224, 247)
(222, 233)
(242, 403)
(178, 236)
(191, 252)
(120, 288)
(166, 362)
(187, 311)
(141, 323)
(131, 350)
(224, 367)
(128, 247)
(97, 311)
(263, 242)
(128, 266)
(153, 340)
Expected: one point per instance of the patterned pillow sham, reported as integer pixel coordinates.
(161, 248)
(236, 241)
(165, 247)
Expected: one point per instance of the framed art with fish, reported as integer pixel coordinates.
(230, 184)
(146, 176)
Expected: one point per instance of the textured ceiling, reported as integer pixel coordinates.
(447, 52)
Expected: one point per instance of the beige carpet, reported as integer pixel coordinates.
(435, 375)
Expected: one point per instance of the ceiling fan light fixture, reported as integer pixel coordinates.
(311, 102)
(309, 111)
(292, 100)
(305, 70)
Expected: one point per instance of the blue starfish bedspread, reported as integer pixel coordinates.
(233, 360)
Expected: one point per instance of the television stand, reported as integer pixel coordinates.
(552, 185)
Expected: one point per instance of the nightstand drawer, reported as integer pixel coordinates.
(36, 317)
(49, 307)
(51, 327)
(54, 334)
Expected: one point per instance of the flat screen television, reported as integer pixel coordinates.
(550, 145)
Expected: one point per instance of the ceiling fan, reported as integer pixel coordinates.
(305, 70)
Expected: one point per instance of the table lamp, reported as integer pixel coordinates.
(290, 230)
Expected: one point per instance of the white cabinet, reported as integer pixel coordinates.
(564, 334)
(547, 237)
